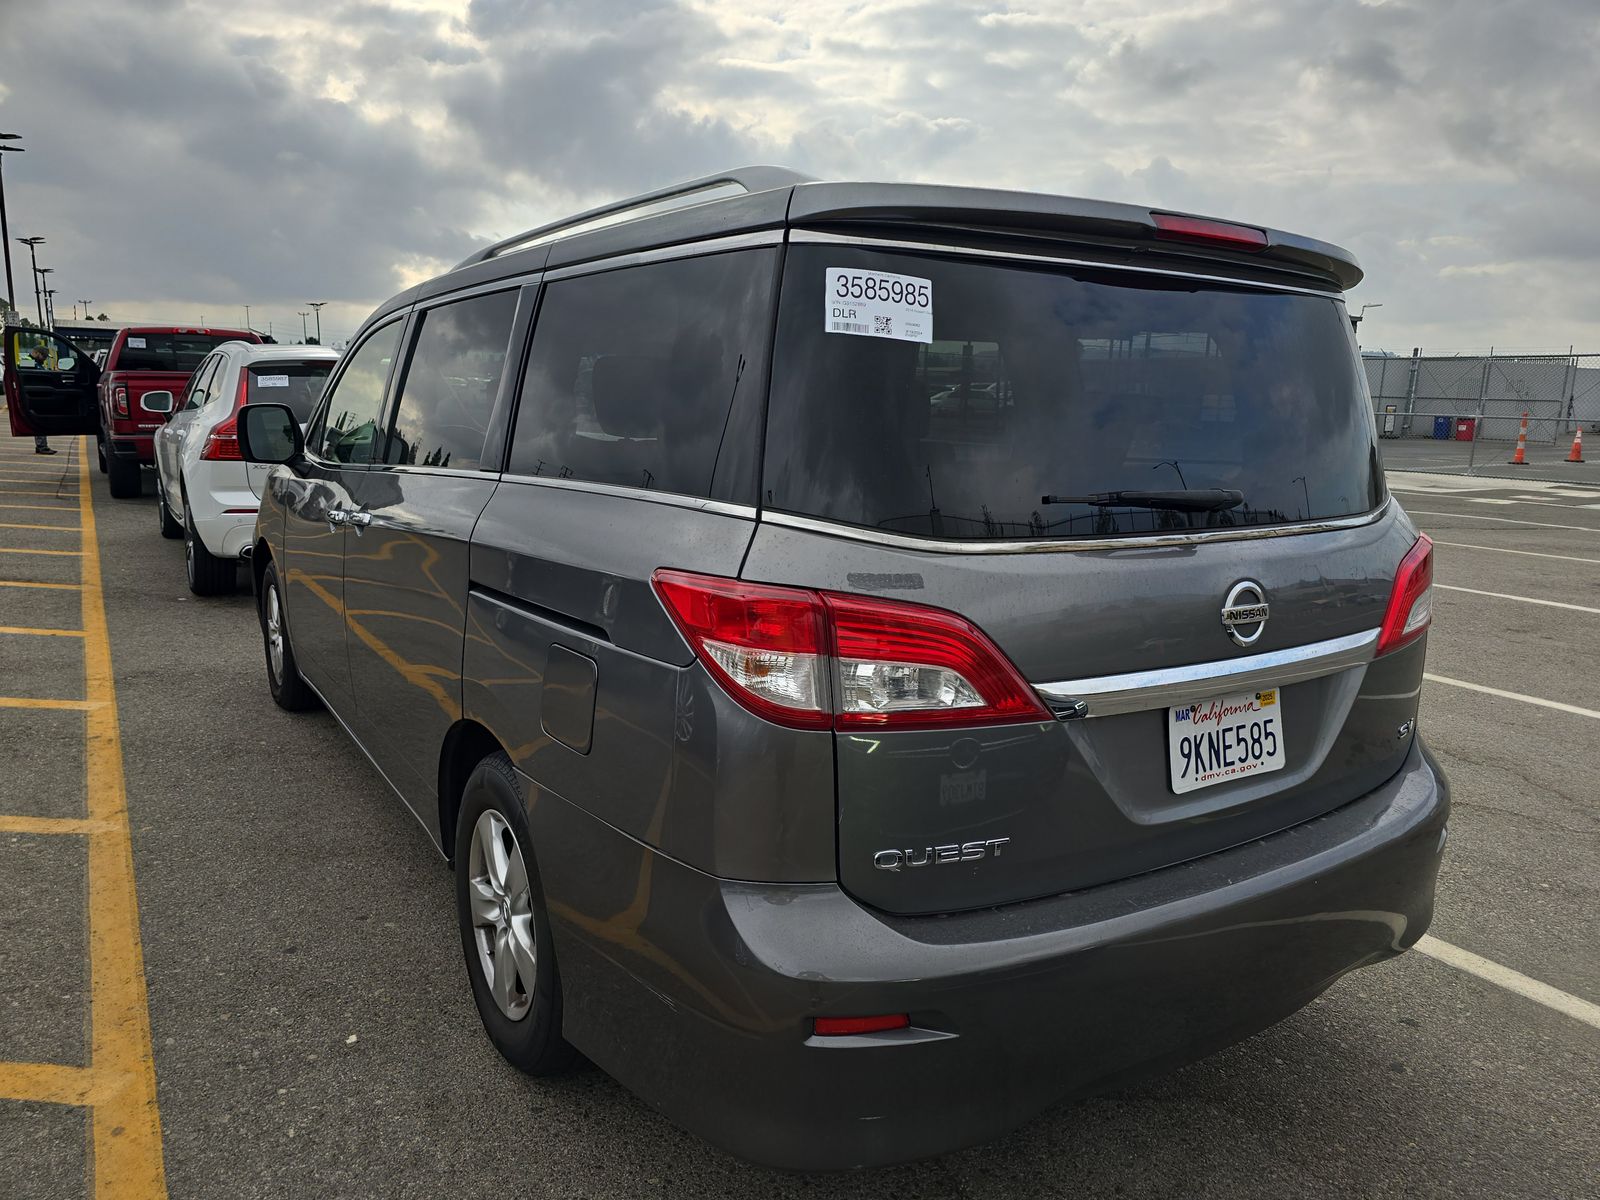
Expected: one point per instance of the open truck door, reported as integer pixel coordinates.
(50, 384)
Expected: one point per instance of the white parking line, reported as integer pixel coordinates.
(1505, 695)
(1508, 550)
(1512, 981)
(1423, 512)
(1525, 599)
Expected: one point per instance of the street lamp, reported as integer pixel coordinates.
(303, 334)
(317, 306)
(32, 243)
(1355, 321)
(5, 229)
(50, 305)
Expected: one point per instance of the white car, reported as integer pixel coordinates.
(205, 492)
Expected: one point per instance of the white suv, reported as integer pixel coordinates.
(206, 493)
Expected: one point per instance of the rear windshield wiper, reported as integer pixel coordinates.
(1187, 500)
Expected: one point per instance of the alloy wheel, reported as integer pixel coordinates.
(274, 624)
(502, 914)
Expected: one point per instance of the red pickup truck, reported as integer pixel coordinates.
(146, 358)
(52, 387)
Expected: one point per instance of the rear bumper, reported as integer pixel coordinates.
(698, 993)
(141, 446)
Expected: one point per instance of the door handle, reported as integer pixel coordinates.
(337, 516)
(359, 519)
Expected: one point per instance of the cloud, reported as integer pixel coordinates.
(191, 157)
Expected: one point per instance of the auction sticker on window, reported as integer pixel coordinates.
(876, 304)
(272, 381)
(1225, 738)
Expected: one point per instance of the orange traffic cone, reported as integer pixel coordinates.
(1576, 453)
(1520, 458)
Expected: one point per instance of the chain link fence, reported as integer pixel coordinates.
(1464, 413)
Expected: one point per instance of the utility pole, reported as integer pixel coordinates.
(317, 307)
(247, 319)
(41, 287)
(303, 334)
(50, 306)
(32, 243)
(5, 229)
(85, 304)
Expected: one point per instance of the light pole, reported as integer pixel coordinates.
(317, 307)
(43, 286)
(247, 318)
(1355, 321)
(50, 305)
(5, 229)
(85, 304)
(32, 243)
(303, 334)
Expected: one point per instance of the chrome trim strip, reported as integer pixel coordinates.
(1131, 541)
(820, 237)
(1107, 695)
(697, 503)
(736, 241)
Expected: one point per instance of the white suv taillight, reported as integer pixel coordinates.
(1411, 602)
(818, 660)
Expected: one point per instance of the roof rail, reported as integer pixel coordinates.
(748, 179)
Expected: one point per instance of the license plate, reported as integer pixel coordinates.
(1226, 738)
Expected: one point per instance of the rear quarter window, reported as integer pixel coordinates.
(651, 377)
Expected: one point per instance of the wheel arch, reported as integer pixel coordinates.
(465, 746)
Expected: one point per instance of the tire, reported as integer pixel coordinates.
(170, 529)
(122, 474)
(208, 574)
(289, 690)
(100, 449)
(504, 924)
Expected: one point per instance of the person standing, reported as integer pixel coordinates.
(41, 444)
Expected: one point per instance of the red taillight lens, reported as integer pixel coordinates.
(763, 644)
(916, 667)
(241, 394)
(1411, 602)
(222, 443)
(843, 1026)
(119, 400)
(893, 665)
(1173, 227)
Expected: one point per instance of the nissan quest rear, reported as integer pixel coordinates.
(882, 659)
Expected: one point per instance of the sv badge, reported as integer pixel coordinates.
(939, 856)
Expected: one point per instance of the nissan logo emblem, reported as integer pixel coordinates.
(1244, 612)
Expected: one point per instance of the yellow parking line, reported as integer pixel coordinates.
(59, 528)
(46, 1083)
(23, 492)
(21, 824)
(29, 631)
(126, 1121)
(33, 583)
(39, 507)
(12, 550)
(32, 702)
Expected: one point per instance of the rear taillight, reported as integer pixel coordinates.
(222, 443)
(1173, 227)
(243, 393)
(818, 660)
(119, 400)
(1411, 602)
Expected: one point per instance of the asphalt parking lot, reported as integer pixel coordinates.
(288, 1014)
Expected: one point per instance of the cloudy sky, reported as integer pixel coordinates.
(187, 158)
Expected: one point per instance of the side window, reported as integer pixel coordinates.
(632, 373)
(451, 383)
(195, 396)
(349, 427)
(38, 351)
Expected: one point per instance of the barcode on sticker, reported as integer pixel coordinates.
(849, 327)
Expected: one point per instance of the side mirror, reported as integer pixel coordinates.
(269, 433)
(160, 403)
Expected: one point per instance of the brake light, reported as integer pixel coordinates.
(844, 1026)
(222, 443)
(1172, 227)
(1411, 602)
(819, 660)
(119, 400)
(241, 395)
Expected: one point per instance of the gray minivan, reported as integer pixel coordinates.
(881, 658)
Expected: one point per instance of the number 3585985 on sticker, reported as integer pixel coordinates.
(877, 304)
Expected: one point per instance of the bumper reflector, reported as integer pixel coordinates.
(843, 1026)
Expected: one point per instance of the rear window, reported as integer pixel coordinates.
(297, 384)
(167, 351)
(1071, 385)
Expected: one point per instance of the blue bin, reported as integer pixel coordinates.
(1441, 429)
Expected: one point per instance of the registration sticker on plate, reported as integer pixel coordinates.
(1225, 738)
